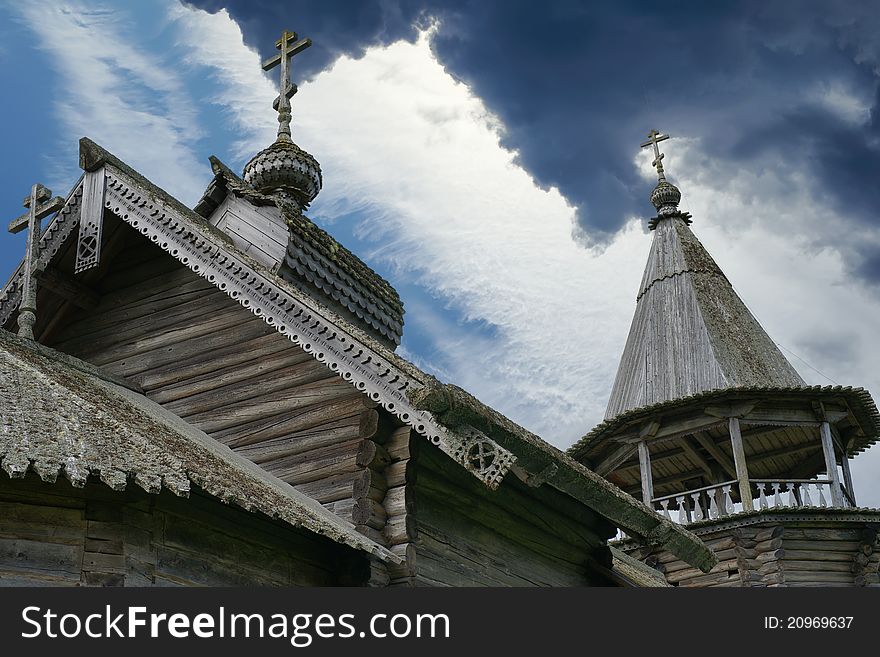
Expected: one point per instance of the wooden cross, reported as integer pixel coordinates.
(40, 204)
(289, 46)
(655, 138)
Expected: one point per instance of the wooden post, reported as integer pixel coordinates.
(831, 464)
(847, 478)
(739, 461)
(645, 469)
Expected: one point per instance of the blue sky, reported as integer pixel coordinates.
(483, 156)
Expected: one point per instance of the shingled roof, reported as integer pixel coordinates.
(445, 415)
(691, 332)
(62, 415)
(316, 262)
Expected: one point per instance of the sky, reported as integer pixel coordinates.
(484, 157)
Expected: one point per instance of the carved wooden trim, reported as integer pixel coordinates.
(292, 316)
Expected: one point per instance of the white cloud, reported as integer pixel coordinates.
(420, 157)
(113, 89)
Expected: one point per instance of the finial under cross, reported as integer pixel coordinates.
(655, 138)
(289, 46)
(40, 204)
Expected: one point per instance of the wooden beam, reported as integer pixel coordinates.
(831, 464)
(81, 296)
(618, 456)
(645, 470)
(693, 454)
(739, 460)
(717, 453)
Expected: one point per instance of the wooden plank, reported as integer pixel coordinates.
(740, 465)
(723, 459)
(645, 472)
(831, 464)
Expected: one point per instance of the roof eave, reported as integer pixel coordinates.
(454, 407)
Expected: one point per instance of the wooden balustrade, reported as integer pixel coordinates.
(715, 501)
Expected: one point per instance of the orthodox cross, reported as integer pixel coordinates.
(289, 46)
(655, 138)
(40, 204)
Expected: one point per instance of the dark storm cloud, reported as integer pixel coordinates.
(578, 84)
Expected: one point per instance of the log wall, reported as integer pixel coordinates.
(467, 535)
(57, 535)
(223, 370)
(790, 553)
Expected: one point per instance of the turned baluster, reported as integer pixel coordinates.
(805, 495)
(665, 505)
(682, 509)
(777, 500)
(698, 510)
(762, 496)
(726, 501)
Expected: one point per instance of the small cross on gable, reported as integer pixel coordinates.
(40, 204)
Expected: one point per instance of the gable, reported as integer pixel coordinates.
(203, 357)
(409, 396)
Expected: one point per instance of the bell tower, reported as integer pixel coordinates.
(711, 426)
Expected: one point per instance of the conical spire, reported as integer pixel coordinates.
(691, 332)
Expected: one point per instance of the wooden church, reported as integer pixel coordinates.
(211, 396)
(712, 427)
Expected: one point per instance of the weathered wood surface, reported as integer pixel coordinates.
(466, 535)
(223, 370)
(781, 554)
(57, 535)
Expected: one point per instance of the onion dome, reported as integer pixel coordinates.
(665, 198)
(286, 170)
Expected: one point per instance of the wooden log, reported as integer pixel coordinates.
(400, 529)
(397, 473)
(328, 489)
(825, 546)
(262, 365)
(817, 577)
(242, 350)
(398, 444)
(399, 500)
(768, 533)
(316, 464)
(369, 484)
(368, 512)
(315, 390)
(407, 552)
(271, 450)
(368, 423)
(818, 555)
(243, 392)
(373, 534)
(372, 455)
(292, 424)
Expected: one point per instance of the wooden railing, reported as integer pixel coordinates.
(795, 493)
(707, 503)
(715, 501)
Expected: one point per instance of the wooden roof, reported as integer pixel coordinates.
(62, 415)
(447, 416)
(691, 332)
(317, 262)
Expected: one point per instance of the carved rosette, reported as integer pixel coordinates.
(485, 458)
(287, 170)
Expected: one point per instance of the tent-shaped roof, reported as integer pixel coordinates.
(447, 416)
(691, 332)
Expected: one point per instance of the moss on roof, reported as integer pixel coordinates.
(60, 417)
